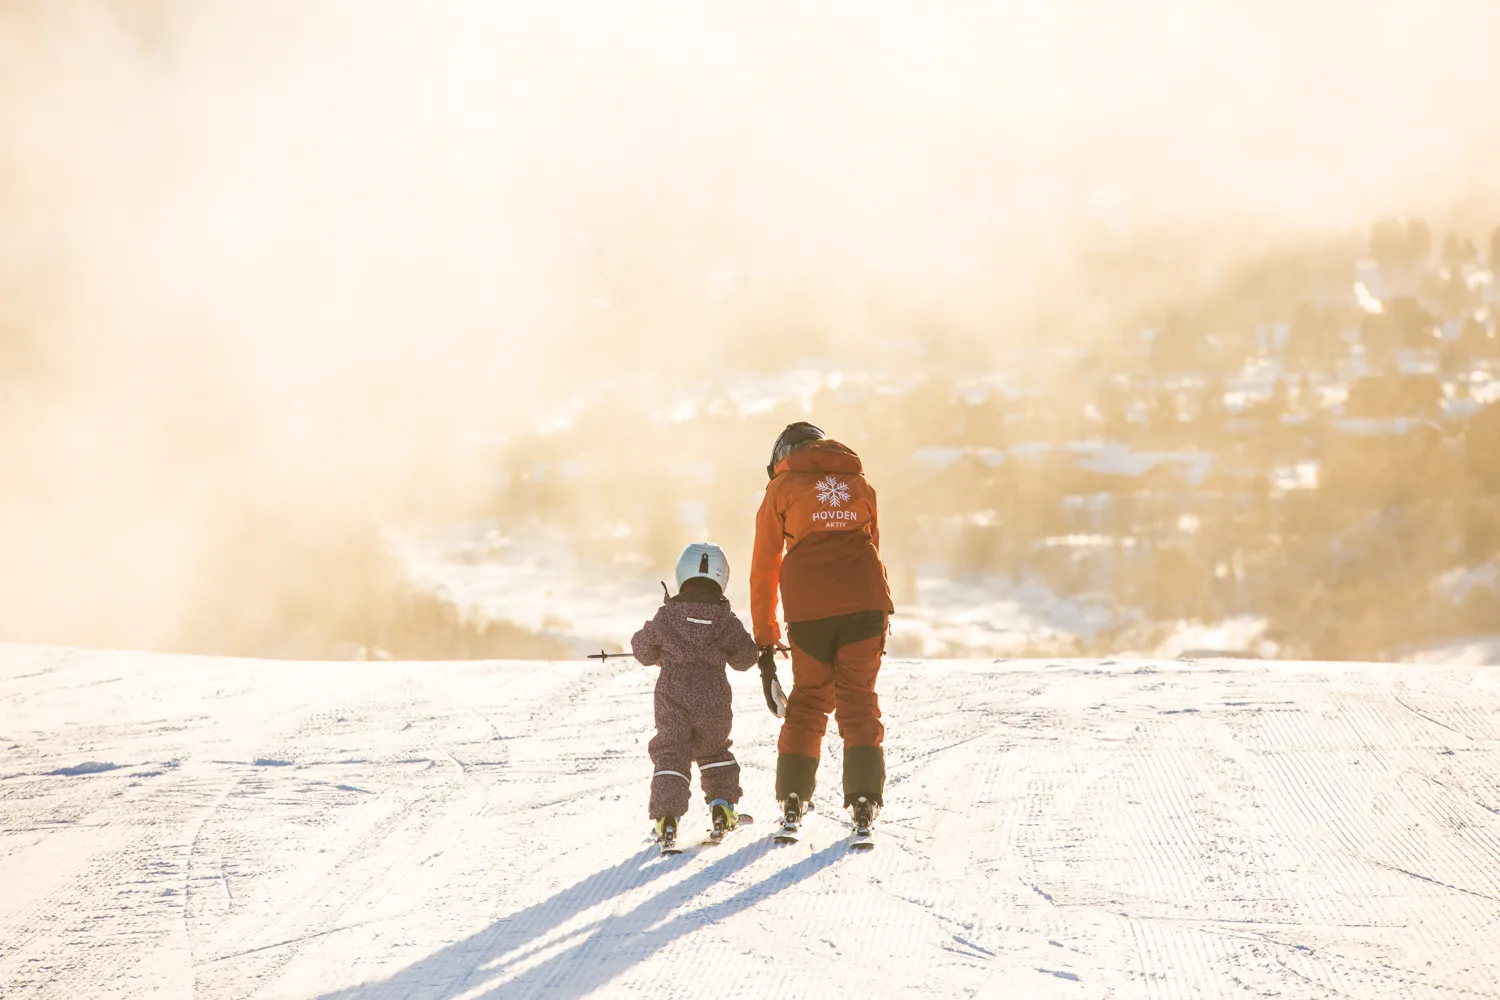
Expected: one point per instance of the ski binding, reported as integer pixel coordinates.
(864, 825)
(720, 831)
(666, 838)
(791, 821)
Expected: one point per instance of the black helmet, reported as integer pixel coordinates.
(794, 437)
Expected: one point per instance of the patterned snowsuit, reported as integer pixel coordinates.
(692, 636)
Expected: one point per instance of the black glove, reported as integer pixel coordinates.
(775, 697)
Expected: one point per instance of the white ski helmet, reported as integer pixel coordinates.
(703, 559)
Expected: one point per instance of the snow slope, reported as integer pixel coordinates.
(370, 831)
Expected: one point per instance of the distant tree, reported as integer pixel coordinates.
(1313, 339)
(1482, 450)
(1481, 529)
(1176, 584)
(1176, 346)
(1279, 401)
(929, 412)
(1381, 470)
(1418, 243)
(1447, 294)
(1380, 336)
(983, 423)
(1110, 402)
(1211, 406)
(1413, 324)
(1388, 244)
(1476, 336)
(1458, 251)
(1473, 344)
(1380, 397)
(1423, 395)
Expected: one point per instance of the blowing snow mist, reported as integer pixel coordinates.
(262, 268)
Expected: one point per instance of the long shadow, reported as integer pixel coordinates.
(511, 932)
(595, 953)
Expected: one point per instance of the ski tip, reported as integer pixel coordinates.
(746, 819)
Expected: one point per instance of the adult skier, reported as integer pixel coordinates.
(692, 636)
(817, 540)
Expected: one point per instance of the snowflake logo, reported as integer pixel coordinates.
(832, 493)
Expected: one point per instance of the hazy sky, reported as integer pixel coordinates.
(267, 254)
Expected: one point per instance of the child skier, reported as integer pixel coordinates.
(692, 636)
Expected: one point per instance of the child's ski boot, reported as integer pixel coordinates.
(666, 835)
(725, 820)
(791, 820)
(864, 812)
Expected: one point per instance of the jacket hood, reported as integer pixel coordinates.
(822, 456)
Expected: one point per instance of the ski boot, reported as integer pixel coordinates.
(666, 835)
(791, 820)
(864, 812)
(725, 820)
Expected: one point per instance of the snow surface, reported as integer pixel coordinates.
(175, 827)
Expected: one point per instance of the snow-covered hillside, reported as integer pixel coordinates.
(533, 578)
(370, 831)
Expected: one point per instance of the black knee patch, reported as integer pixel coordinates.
(796, 773)
(864, 774)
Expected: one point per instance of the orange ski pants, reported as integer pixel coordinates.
(845, 687)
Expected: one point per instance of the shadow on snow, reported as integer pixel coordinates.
(597, 952)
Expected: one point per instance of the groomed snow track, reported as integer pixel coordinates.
(188, 827)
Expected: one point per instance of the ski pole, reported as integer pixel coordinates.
(602, 655)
